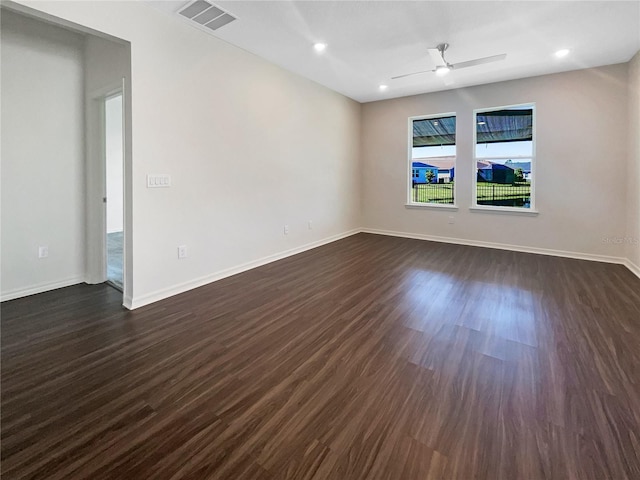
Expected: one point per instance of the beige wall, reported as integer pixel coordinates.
(241, 139)
(42, 156)
(633, 188)
(581, 163)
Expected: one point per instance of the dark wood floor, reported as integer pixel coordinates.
(370, 358)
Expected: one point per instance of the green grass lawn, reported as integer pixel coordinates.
(497, 191)
(443, 192)
(433, 193)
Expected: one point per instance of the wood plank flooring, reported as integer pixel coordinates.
(369, 358)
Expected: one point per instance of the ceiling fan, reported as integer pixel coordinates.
(443, 67)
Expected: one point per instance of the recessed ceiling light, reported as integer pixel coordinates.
(320, 47)
(435, 123)
(562, 53)
(442, 70)
(383, 87)
(482, 123)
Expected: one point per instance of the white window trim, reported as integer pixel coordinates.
(435, 206)
(410, 203)
(492, 208)
(504, 210)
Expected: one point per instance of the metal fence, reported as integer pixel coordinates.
(432, 193)
(501, 194)
(515, 195)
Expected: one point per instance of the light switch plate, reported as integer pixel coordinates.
(158, 180)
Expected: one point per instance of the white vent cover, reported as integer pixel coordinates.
(206, 14)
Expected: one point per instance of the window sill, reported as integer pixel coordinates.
(434, 206)
(527, 212)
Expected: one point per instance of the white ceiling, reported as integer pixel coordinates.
(371, 41)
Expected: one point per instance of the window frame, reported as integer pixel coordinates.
(474, 170)
(409, 167)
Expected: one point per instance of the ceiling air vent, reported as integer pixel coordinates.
(206, 14)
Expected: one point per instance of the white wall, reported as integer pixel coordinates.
(250, 148)
(42, 156)
(633, 188)
(581, 163)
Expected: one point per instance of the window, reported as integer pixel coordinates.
(432, 158)
(505, 157)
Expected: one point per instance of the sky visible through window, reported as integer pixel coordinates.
(438, 151)
(487, 150)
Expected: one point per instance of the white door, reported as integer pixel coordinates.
(114, 174)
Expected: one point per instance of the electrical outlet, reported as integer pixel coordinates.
(286, 229)
(182, 251)
(452, 220)
(310, 224)
(43, 252)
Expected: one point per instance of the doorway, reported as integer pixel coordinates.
(114, 188)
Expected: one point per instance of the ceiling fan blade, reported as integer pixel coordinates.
(409, 74)
(436, 56)
(479, 61)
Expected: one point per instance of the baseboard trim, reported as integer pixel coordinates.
(635, 269)
(141, 301)
(132, 303)
(503, 246)
(41, 288)
(127, 302)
